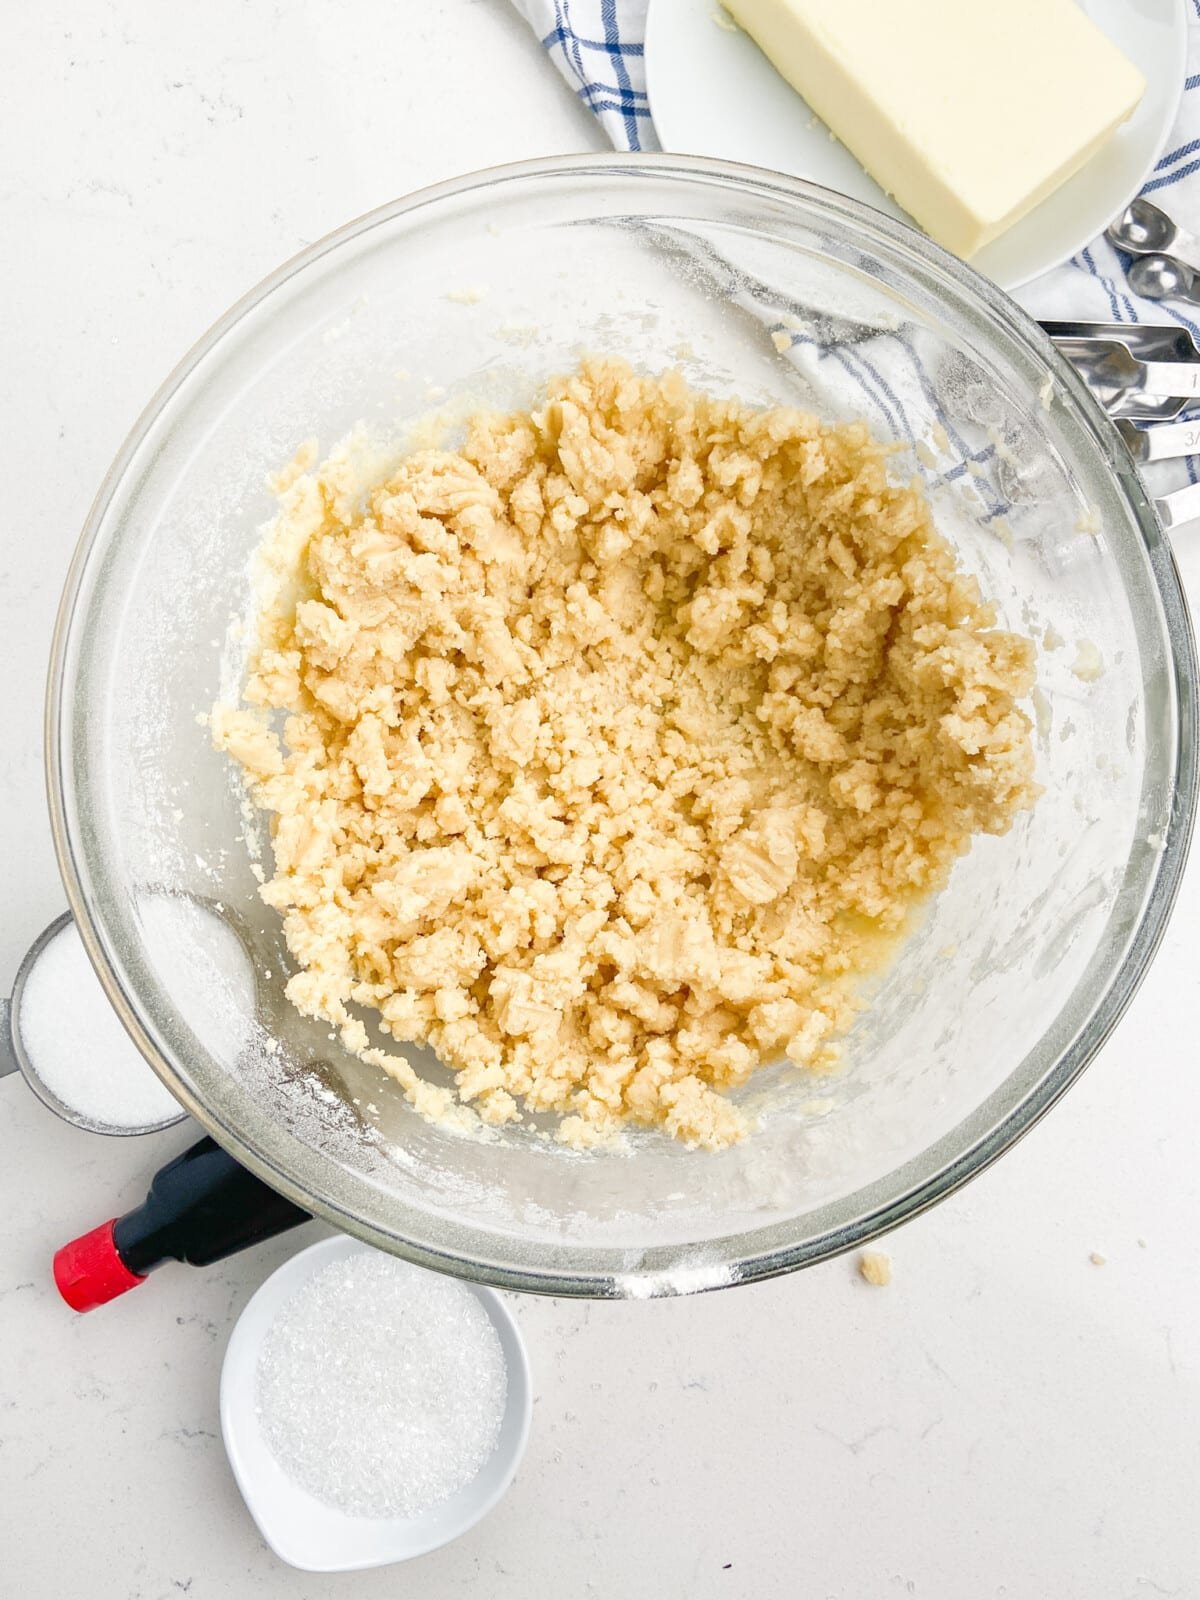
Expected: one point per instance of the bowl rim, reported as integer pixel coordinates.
(673, 1269)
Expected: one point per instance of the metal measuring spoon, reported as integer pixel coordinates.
(1162, 278)
(14, 1057)
(1163, 441)
(1145, 230)
(266, 1003)
(1087, 345)
(1179, 507)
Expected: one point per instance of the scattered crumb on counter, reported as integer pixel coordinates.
(948, 952)
(1043, 716)
(925, 455)
(1089, 663)
(1156, 841)
(1052, 639)
(781, 340)
(820, 1107)
(940, 438)
(1141, 1244)
(1003, 532)
(470, 295)
(1046, 391)
(976, 468)
(875, 1268)
(1097, 1259)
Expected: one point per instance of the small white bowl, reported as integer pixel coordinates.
(304, 1531)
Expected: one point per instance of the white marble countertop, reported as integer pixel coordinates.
(1006, 1419)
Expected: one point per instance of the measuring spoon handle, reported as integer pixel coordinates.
(1164, 442)
(1178, 507)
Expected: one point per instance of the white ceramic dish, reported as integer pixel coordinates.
(713, 93)
(302, 1530)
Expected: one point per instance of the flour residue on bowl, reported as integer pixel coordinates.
(619, 744)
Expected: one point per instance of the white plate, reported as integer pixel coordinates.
(713, 93)
(301, 1529)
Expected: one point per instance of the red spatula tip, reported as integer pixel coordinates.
(89, 1270)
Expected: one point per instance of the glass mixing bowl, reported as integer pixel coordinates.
(474, 293)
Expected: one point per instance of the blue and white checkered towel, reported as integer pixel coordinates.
(597, 45)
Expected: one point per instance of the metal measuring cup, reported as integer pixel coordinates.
(14, 1057)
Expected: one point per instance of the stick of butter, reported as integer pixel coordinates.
(967, 112)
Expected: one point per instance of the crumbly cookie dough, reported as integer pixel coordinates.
(618, 744)
(875, 1268)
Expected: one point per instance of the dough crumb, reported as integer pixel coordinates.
(820, 1107)
(1046, 392)
(875, 1268)
(520, 334)
(470, 295)
(1004, 451)
(1097, 1259)
(1052, 639)
(608, 752)
(1088, 521)
(1088, 665)
(781, 340)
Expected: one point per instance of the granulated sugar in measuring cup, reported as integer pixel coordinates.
(68, 1042)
